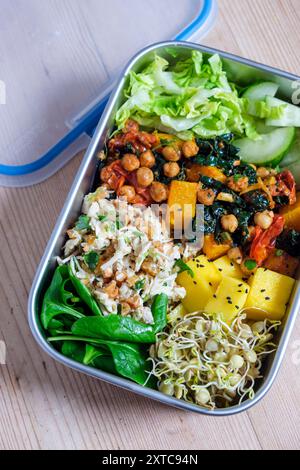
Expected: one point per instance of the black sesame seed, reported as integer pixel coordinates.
(263, 290)
(267, 298)
(230, 302)
(231, 264)
(239, 291)
(247, 291)
(237, 307)
(240, 285)
(195, 283)
(215, 296)
(210, 284)
(221, 270)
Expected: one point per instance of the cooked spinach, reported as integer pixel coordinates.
(257, 201)
(245, 170)
(289, 241)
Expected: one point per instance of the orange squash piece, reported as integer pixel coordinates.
(213, 172)
(213, 250)
(182, 201)
(292, 215)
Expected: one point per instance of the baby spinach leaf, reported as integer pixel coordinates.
(114, 327)
(82, 290)
(56, 299)
(130, 360)
(159, 312)
(74, 350)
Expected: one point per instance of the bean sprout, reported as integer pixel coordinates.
(208, 362)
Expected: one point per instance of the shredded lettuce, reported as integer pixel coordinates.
(193, 97)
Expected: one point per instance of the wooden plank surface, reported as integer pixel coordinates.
(44, 405)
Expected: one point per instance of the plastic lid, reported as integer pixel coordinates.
(61, 59)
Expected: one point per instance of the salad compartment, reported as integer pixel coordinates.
(243, 72)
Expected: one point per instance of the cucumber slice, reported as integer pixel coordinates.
(260, 91)
(269, 150)
(293, 155)
(291, 114)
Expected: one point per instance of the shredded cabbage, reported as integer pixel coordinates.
(193, 96)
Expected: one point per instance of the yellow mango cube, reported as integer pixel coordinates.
(228, 268)
(269, 292)
(229, 299)
(200, 287)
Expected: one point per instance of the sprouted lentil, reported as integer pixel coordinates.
(205, 361)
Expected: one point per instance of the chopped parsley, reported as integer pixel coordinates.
(83, 223)
(91, 259)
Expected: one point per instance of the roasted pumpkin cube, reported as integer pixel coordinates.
(182, 201)
(200, 284)
(228, 268)
(229, 299)
(213, 250)
(292, 215)
(270, 292)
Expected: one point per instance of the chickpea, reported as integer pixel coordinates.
(238, 184)
(147, 159)
(145, 177)
(105, 174)
(229, 223)
(131, 126)
(264, 219)
(171, 169)
(127, 192)
(235, 254)
(159, 192)
(112, 290)
(150, 268)
(130, 162)
(262, 172)
(206, 196)
(190, 149)
(171, 154)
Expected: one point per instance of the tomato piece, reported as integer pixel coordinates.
(265, 240)
(118, 178)
(139, 140)
(285, 186)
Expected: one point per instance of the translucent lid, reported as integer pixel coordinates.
(60, 58)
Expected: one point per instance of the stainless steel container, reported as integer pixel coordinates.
(240, 70)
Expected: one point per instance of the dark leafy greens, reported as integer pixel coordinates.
(289, 241)
(75, 324)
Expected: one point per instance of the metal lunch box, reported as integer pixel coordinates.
(240, 70)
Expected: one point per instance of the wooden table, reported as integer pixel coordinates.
(44, 405)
